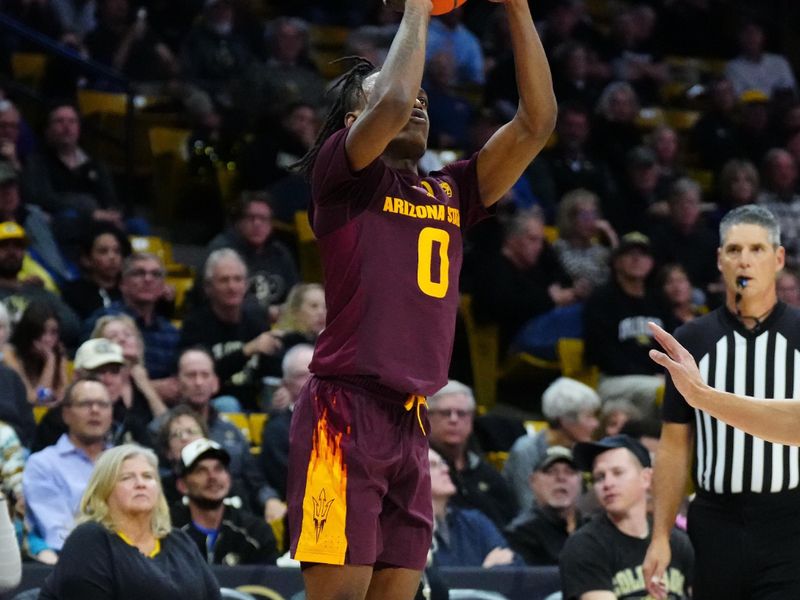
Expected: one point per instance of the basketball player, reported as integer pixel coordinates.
(391, 245)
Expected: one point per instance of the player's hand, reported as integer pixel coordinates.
(680, 364)
(655, 566)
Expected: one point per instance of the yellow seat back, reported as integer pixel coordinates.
(257, 421)
(239, 420)
(29, 68)
(483, 353)
(570, 353)
(307, 250)
(153, 245)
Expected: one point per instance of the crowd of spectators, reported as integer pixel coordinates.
(612, 226)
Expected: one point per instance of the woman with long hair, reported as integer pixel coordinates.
(37, 354)
(303, 314)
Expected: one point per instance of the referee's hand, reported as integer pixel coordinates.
(655, 566)
(679, 362)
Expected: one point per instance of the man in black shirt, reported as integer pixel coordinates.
(539, 535)
(224, 534)
(234, 331)
(603, 558)
(615, 326)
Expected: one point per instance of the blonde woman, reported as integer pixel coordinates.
(585, 240)
(124, 546)
(303, 314)
(138, 394)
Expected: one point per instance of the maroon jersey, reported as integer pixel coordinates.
(391, 249)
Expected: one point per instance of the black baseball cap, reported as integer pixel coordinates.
(631, 240)
(586, 452)
(553, 455)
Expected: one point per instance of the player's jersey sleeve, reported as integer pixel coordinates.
(464, 175)
(338, 193)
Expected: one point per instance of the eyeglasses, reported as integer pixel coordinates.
(179, 434)
(90, 404)
(141, 273)
(447, 413)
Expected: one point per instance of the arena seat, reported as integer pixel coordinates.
(94, 101)
(681, 120)
(228, 182)
(257, 421)
(704, 177)
(239, 420)
(570, 353)
(483, 353)
(327, 44)
(153, 245)
(307, 251)
(29, 68)
(169, 156)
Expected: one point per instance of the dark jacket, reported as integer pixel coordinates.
(539, 535)
(243, 538)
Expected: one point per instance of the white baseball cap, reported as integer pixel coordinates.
(98, 352)
(199, 449)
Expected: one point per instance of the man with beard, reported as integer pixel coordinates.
(224, 533)
(539, 535)
(198, 384)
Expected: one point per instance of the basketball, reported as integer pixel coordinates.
(441, 7)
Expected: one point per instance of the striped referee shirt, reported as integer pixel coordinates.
(763, 363)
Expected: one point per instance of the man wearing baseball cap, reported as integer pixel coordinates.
(224, 533)
(539, 535)
(615, 326)
(603, 559)
(18, 290)
(34, 221)
(102, 359)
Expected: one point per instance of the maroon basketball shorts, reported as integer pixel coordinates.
(359, 488)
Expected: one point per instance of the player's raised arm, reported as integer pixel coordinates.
(392, 93)
(509, 151)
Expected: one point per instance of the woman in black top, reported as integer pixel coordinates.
(124, 547)
(102, 253)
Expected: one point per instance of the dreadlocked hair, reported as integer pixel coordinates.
(350, 95)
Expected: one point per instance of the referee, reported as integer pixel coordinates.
(744, 522)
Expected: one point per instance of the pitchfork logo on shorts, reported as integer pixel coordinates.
(321, 507)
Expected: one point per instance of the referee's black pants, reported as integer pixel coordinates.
(746, 548)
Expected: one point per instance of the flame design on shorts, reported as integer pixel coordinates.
(322, 536)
